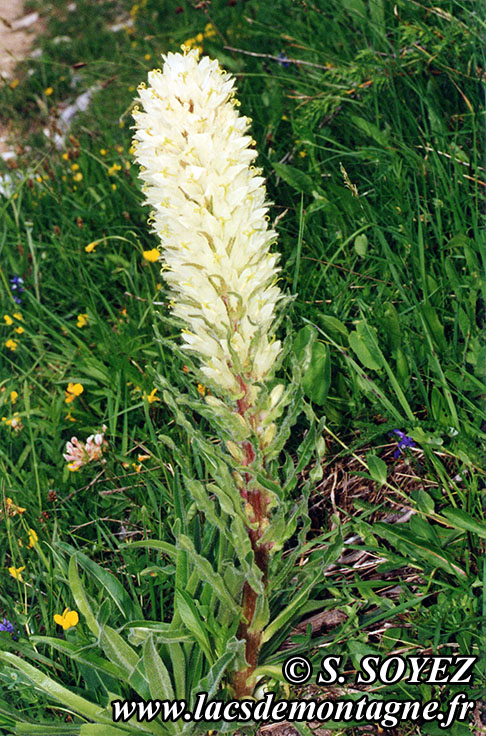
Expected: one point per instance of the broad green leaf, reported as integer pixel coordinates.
(361, 245)
(289, 612)
(125, 603)
(81, 598)
(48, 729)
(206, 573)
(186, 608)
(317, 378)
(157, 674)
(168, 549)
(296, 178)
(462, 520)
(57, 691)
(436, 329)
(371, 130)
(417, 549)
(377, 467)
(80, 654)
(363, 343)
(96, 729)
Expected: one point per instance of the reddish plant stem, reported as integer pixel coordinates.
(242, 680)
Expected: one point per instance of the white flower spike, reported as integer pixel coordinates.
(209, 211)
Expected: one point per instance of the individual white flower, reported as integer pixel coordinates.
(210, 213)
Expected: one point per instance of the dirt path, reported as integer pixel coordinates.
(17, 33)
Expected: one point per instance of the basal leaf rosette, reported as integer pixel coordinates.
(210, 213)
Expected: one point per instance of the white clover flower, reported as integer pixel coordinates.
(210, 213)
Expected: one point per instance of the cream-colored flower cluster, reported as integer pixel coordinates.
(209, 211)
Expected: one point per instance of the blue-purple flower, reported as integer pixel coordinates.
(283, 60)
(16, 286)
(405, 441)
(7, 626)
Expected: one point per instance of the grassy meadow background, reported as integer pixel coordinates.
(368, 119)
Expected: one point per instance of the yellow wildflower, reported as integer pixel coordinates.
(16, 572)
(151, 397)
(48, 91)
(73, 390)
(103, 151)
(151, 255)
(74, 167)
(11, 344)
(201, 389)
(141, 458)
(113, 169)
(147, 57)
(113, 186)
(18, 316)
(137, 468)
(67, 619)
(82, 320)
(14, 83)
(33, 538)
(13, 396)
(78, 176)
(70, 418)
(19, 330)
(8, 319)
(65, 156)
(91, 246)
(12, 509)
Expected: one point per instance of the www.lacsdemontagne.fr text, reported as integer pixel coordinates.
(387, 713)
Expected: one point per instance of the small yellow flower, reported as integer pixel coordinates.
(74, 167)
(11, 344)
(137, 468)
(18, 316)
(33, 538)
(199, 38)
(302, 154)
(151, 397)
(39, 179)
(82, 320)
(8, 319)
(12, 509)
(113, 169)
(13, 396)
(113, 186)
(119, 148)
(201, 389)
(67, 619)
(78, 176)
(16, 572)
(103, 151)
(141, 458)
(70, 418)
(48, 91)
(147, 57)
(65, 156)
(91, 246)
(73, 390)
(19, 330)
(151, 255)
(14, 83)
